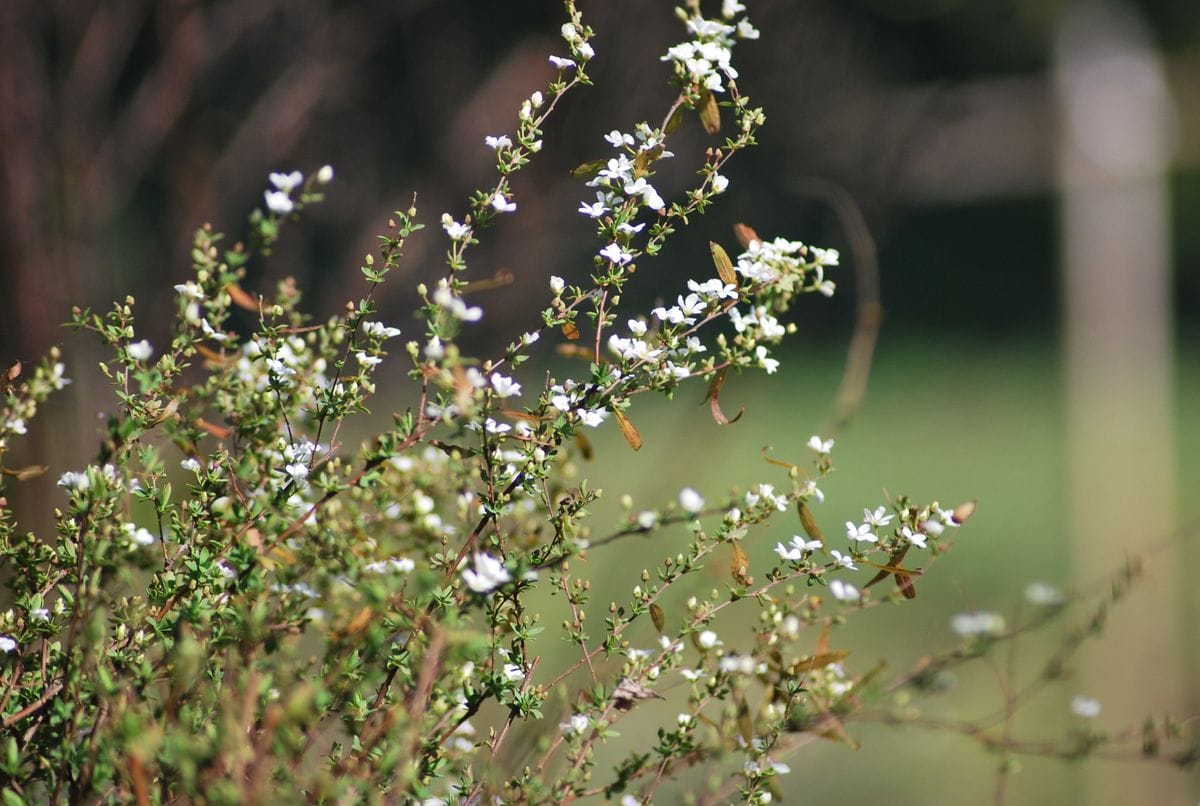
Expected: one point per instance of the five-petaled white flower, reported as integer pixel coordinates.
(286, 183)
(502, 141)
(690, 501)
(916, 538)
(1086, 707)
(861, 533)
(140, 350)
(877, 518)
(844, 591)
(487, 575)
(502, 204)
(821, 446)
(614, 253)
(843, 560)
(505, 386)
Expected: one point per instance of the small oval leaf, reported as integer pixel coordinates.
(710, 113)
(745, 235)
(723, 263)
(628, 430)
(657, 616)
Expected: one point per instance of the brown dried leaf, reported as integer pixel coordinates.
(674, 121)
(570, 331)
(241, 298)
(13, 372)
(218, 431)
(810, 523)
(745, 235)
(740, 565)
(356, 625)
(657, 616)
(893, 559)
(628, 430)
(500, 279)
(963, 511)
(575, 351)
(710, 113)
(25, 473)
(819, 661)
(714, 405)
(723, 263)
(588, 169)
(585, 446)
(629, 692)
(215, 359)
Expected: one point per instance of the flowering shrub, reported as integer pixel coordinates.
(237, 606)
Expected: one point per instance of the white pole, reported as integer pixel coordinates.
(1114, 150)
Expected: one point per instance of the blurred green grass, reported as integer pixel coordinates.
(947, 421)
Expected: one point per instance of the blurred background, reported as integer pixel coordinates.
(1027, 171)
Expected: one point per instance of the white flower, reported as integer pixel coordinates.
(190, 464)
(747, 31)
(592, 418)
(74, 481)
(286, 183)
(557, 284)
(647, 519)
(692, 674)
(40, 614)
(137, 536)
(614, 253)
(278, 202)
(690, 501)
(586, 52)
(708, 639)
(513, 673)
(876, 518)
(860, 534)
(488, 574)
(140, 350)
(719, 183)
(505, 386)
(561, 63)
(595, 210)
(7, 644)
(786, 553)
(616, 139)
(325, 174)
(503, 205)
(502, 141)
(977, 623)
(769, 364)
(212, 332)
(57, 378)
(916, 538)
(731, 8)
(380, 331)
(17, 426)
(824, 257)
(844, 591)
(843, 560)
(577, 724)
(455, 230)
(1086, 707)
(1039, 593)
(368, 360)
(190, 290)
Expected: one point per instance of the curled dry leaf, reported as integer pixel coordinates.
(723, 263)
(745, 235)
(628, 430)
(629, 692)
(714, 405)
(809, 523)
(710, 113)
(241, 298)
